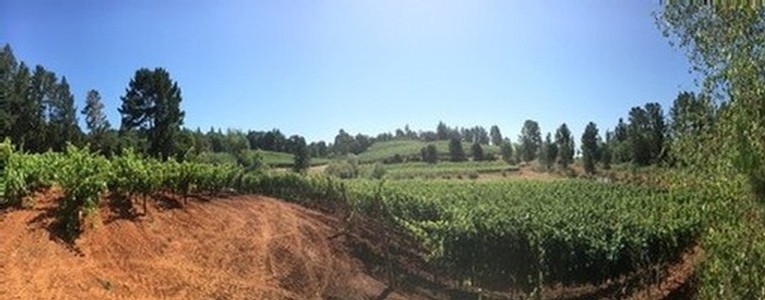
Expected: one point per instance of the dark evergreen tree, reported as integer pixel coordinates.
(301, 158)
(506, 151)
(442, 131)
(496, 135)
(530, 139)
(456, 152)
(477, 151)
(429, 154)
(565, 142)
(152, 105)
(590, 143)
(96, 121)
(548, 152)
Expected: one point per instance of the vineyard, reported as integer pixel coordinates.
(568, 232)
(85, 178)
(521, 235)
(445, 169)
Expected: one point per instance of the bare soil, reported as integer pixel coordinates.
(249, 247)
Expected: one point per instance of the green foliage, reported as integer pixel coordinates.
(496, 135)
(397, 151)
(563, 231)
(530, 140)
(444, 169)
(378, 171)
(721, 146)
(477, 152)
(506, 151)
(152, 105)
(692, 127)
(429, 154)
(348, 168)
(590, 147)
(301, 158)
(456, 153)
(565, 143)
(548, 151)
(83, 178)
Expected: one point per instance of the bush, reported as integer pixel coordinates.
(348, 168)
(378, 171)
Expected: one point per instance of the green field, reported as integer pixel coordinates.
(411, 148)
(270, 158)
(570, 231)
(284, 160)
(445, 169)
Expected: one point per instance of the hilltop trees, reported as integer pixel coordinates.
(429, 154)
(151, 105)
(456, 152)
(301, 158)
(496, 135)
(565, 144)
(37, 110)
(442, 132)
(477, 151)
(548, 151)
(98, 126)
(530, 139)
(62, 118)
(506, 151)
(590, 151)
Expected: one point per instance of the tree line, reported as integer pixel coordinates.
(38, 112)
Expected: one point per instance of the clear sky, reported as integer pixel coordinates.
(312, 67)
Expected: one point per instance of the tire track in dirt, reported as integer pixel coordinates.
(245, 247)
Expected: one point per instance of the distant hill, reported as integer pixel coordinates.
(382, 151)
(271, 158)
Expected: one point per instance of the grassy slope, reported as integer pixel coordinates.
(441, 169)
(271, 158)
(383, 150)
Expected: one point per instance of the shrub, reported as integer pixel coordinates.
(378, 171)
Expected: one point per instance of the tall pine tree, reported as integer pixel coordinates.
(151, 105)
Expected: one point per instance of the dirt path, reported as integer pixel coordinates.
(240, 248)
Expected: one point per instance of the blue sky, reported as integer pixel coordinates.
(312, 67)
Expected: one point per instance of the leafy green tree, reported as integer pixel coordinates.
(95, 120)
(590, 144)
(477, 151)
(506, 151)
(302, 159)
(565, 143)
(343, 143)
(692, 126)
(530, 139)
(429, 154)
(456, 152)
(496, 135)
(548, 151)
(152, 105)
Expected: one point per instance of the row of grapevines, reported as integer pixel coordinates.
(529, 233)
(85, 177)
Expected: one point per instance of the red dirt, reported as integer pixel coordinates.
(246, 247)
